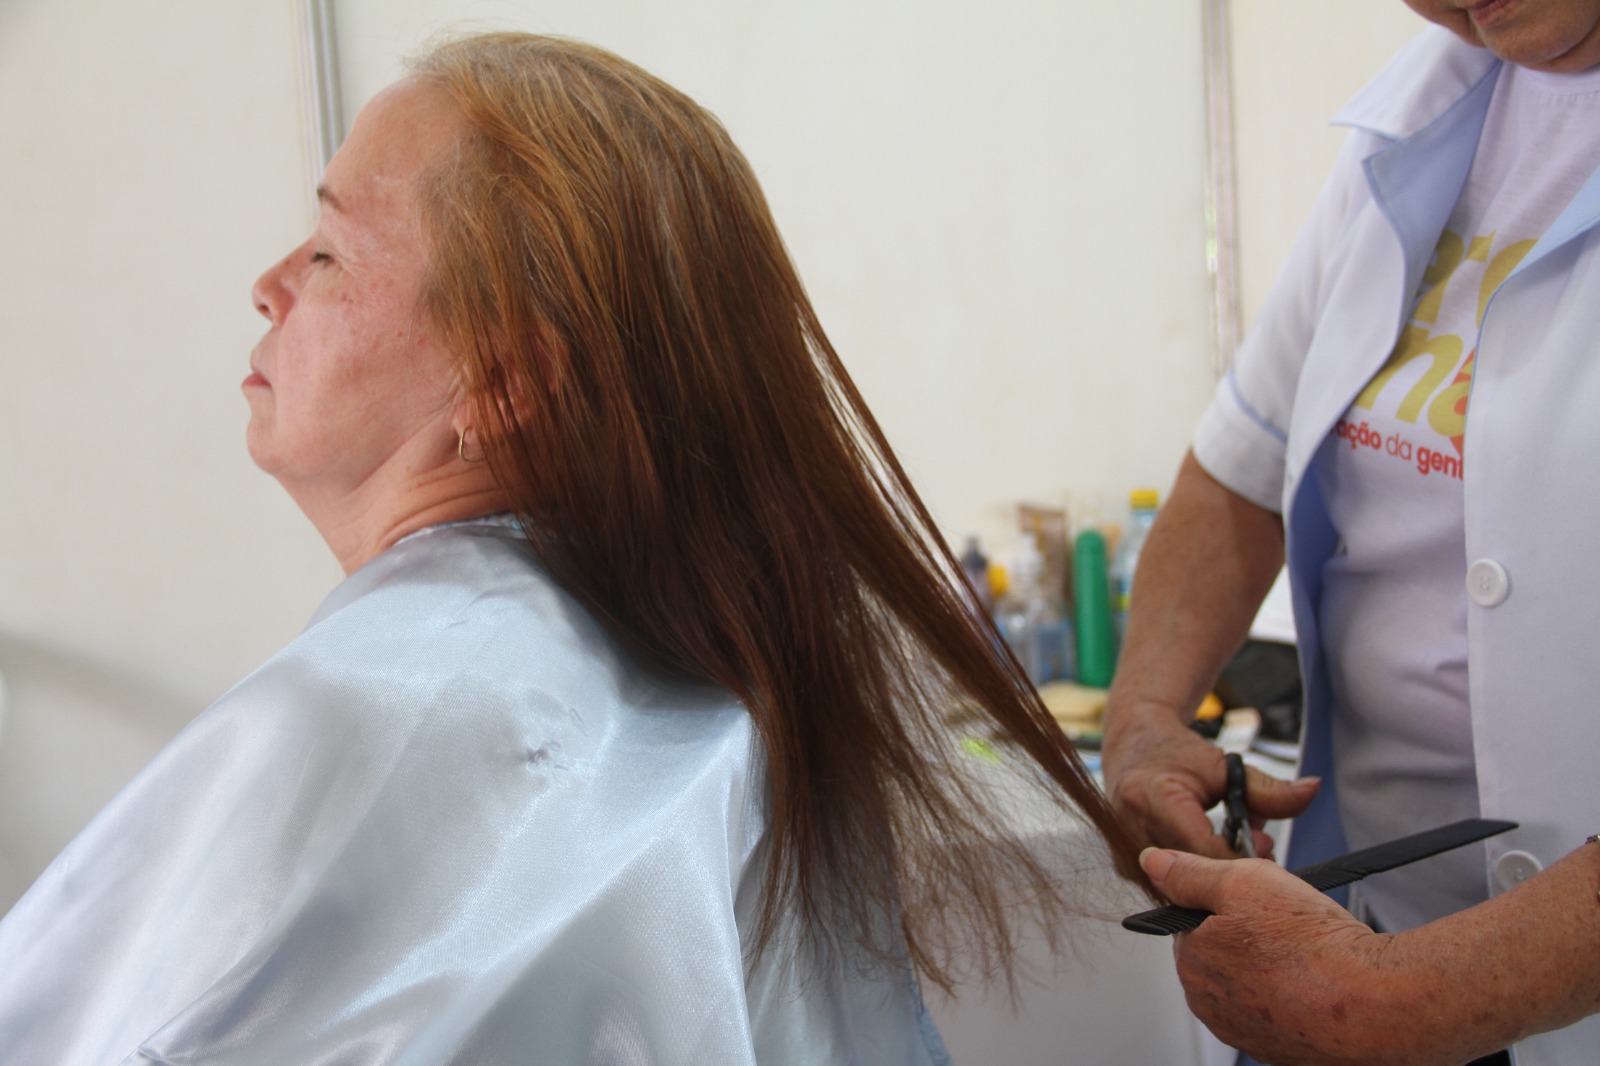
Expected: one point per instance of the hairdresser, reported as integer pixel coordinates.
(1411, 424)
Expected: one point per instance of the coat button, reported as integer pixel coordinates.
(1513, 868)
(1487, 583)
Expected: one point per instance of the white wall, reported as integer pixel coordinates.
(997, 208)
(149, 167)
(1295, 64)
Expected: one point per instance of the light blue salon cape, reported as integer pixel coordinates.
(452, 822)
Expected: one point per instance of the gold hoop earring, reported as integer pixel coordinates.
(461, 448)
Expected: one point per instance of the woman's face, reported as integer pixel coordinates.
(1555, 35)
(351, 377)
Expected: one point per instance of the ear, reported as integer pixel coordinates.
(518, 389)
(515, 390)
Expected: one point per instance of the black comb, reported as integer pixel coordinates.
(1164, 921)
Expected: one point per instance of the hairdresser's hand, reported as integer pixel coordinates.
(1162, 777)
(1283, 972)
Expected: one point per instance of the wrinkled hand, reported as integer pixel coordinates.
(1162, 776)
(1280, 970)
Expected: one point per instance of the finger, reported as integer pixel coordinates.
(1183, 824)
(1187, 880)
(1271, 797)
(1213, 846)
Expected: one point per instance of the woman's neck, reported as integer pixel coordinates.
(358, 525)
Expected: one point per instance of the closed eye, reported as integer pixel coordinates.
(321, 257)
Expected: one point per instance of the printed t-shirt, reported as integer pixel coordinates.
(1394, 609)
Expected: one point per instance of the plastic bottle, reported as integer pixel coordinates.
(1143, 503)
(1033, 619)
(1097, 646)
(976, 566)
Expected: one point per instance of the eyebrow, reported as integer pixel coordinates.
(326, 197)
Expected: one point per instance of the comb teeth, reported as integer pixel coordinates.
(1164, 921)
(1326, 877)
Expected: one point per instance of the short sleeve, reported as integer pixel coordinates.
(1239, 447)
(1242, 438)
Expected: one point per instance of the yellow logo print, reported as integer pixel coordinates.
(1442, 395)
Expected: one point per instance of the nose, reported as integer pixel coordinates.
(273, 292)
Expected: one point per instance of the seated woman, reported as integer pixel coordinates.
(624, 740)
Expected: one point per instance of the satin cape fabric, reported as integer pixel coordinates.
(452, 822)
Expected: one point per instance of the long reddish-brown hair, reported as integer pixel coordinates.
(690, 460)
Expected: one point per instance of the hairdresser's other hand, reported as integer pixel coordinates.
(1280, 970)
(1162, 777)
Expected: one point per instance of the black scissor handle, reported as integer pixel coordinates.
(1236, 826)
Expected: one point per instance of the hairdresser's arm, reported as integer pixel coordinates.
(1284, 973)
(1208, 563)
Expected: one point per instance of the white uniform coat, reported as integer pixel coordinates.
(452, 822)
(1533, 427)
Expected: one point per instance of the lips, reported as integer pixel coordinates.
(256, 377)
(1488, 12)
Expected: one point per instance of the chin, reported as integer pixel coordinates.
(258, 449)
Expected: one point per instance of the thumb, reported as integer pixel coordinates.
(1186, 879)
(1272, 797)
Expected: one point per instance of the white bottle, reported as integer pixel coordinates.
(1033, 619)
(1143, 503)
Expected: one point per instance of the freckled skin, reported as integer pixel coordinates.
(1283, 972)
(354, 404)
(353, 370)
